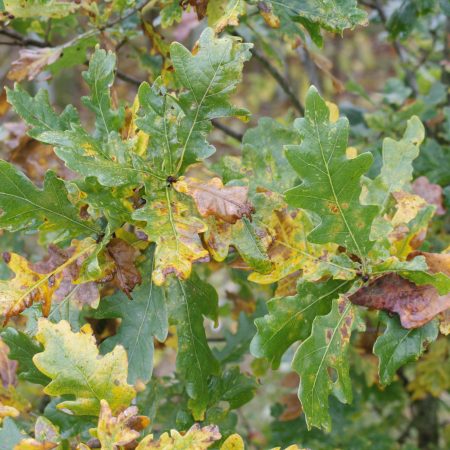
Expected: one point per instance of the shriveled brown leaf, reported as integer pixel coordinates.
(292, 407)
(126, 276)
(117, 432)
(35, 158)
(83, 293)
(32, 62)
(436, 262)
(268, 15)
(7, 367)
(212, 198)
(4, 105)
(415, 305)
(431, 192)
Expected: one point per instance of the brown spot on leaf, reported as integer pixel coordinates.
(416, 305)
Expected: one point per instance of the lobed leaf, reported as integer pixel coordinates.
(290, 319)
(24, 206)
(398, 346)
(72, 362)
(330, 182)
(322, 363)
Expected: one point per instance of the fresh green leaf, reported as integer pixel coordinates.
(322, 363)
(330, 182)
(290, 318)
(398, 346)
(22, 348)
(24, 206)
(190, 301)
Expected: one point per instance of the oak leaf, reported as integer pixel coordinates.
(416, 305)
(125, 275)
(212, 198)
(117, 432)
(176, 234)
(73, 363)
(196, 438)
(32, 62)
(432, 193)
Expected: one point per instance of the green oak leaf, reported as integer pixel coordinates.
(397, 170)
(22, 348)
(398, 346)
(325, 349)
(10, 434)
(263, 155)
(100, 77)
(290, 318)
(330, 182)
(72, 361)
(112, 203)
(209, 77)
(37, 112)
(171, 12)
(331, 15)
(189, 301)
(233, 387)
(415, 270)
(24, 206)
(141, 319)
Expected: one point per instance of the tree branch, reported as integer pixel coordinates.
(279, 79)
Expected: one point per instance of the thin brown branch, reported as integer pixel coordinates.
(282, 82)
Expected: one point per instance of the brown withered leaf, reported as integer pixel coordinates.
(32, 62)
(4, 105)
(35, 158)
(7, 367)
(415, 305)
(268, 15)
(436, 262)
(82, 293)
(117, 432)
(15, 132)
(212, 198)
(430, 192)
(126, 276)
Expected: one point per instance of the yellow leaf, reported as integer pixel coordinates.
(32, 62)
(29, 286)
(196, 438)
(233, 442)
(115, 432)
(176, 234)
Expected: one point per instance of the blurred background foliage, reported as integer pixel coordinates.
(379, 75)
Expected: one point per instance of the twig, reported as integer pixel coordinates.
(279, 79)
(127, 78)
(227, 130)
(20, 40)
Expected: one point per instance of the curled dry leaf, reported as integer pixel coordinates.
(415, 305)
(116, 432)
(212, 198)
(125, 276)
(7, 367)
(32, 62)
(83, 293)
(430, 192)
(51, 279)
(196, 438)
